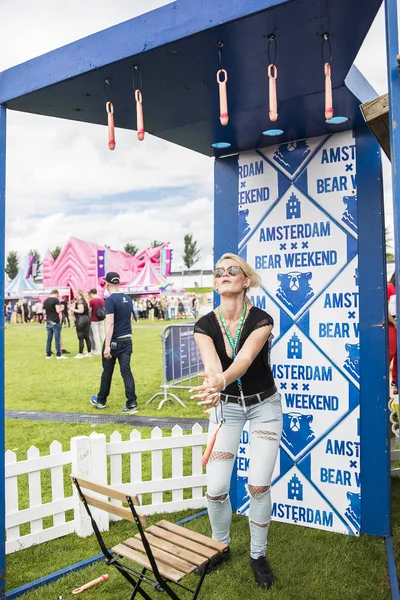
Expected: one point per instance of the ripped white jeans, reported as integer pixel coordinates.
(265, 433)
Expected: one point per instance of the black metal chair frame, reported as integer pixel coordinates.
(159, 583)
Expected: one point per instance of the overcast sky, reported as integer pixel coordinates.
(70, 184)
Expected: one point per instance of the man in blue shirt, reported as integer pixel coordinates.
(118, 345)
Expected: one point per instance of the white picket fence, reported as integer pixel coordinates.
(93, 457)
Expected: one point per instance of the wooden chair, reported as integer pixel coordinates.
(166, 550)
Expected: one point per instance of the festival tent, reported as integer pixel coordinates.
(22, 282)
(149, 280)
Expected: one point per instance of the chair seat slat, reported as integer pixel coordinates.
(187, 555)
(192, 535)
(166, 557)
(181, 541)
(141, 559)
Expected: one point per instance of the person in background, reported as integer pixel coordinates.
(9, 312)
(96, 306)
(25, 309)
(52, 308)
(392, 331)
(142, 309)
(65, 313)
(150, 304)
(19, 311)
(135, 308)
(82, 324)
(181, 309)
(167, 308)
(39, 311)
(173, 306)
(117, 345)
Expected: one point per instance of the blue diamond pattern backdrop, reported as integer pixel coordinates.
(297, 206)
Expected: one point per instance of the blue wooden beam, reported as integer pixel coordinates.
(2, 262)
(143, 33)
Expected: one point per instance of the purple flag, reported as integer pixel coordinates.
(101, 263)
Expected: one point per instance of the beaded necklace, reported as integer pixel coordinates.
(234, 342)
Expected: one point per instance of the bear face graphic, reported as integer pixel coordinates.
(352, 362)
(353, 511)
(297, 432)
(294, 290)
(350, 214)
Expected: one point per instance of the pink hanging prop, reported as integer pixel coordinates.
(90, 584)
(111, 133)
(328, 92)
(139, 115)
(273, 102)
(210, 446)
(223, 98)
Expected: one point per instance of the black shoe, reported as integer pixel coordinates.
(262, 572)
(64, 351)
(214, 562)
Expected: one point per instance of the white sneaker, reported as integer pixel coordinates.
(79, 356)
(62, 357)
(96, 353)
(47, 357)
(87, 355)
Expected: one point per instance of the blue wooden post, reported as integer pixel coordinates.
(2, 261)
(392, 50)
(226, 224)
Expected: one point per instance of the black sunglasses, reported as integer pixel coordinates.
(232, 270)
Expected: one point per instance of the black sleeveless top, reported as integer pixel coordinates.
(258, 377)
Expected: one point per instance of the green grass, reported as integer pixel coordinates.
(309, 564)
(34, 383)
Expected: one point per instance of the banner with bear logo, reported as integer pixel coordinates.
(297, 207)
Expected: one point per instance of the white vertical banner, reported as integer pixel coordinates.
(301, 237)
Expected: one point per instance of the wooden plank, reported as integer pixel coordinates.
(166, 557)
(192, 535)
(141, 559)
(120, 511)
(181, 541)
(376, 115)
(105, 490)
(187, 555)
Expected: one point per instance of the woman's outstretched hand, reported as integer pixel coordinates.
(209, 391)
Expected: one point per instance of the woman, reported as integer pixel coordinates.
(234, 343)
(82, 323)
(392, 330)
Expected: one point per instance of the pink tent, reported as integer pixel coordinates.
(82, 265)
(148, 280)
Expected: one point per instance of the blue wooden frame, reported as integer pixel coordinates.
(84, 62)
(3, 138)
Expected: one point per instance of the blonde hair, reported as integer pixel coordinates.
(254, 277)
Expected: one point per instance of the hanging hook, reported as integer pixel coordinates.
(110, 116)
(223, 96)
(326, 43)
(273, 102)
(272, 76)
(272, 41)
(139, 103)
(139, 115)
